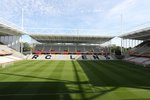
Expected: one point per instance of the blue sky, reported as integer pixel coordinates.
(87, 17)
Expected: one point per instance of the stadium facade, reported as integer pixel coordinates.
(67, 47)
(11, 36)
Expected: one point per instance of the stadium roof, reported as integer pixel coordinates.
(6, 30)
(70, 39)
(142, 34)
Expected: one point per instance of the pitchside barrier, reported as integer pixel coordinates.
(69, 57)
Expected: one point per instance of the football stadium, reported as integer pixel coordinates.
(73, 66)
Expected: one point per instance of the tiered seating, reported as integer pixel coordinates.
(89, 48)
(63, 49)
(147, 52)
(38, 48)
(140, 54)
(139, 60)
(96, 49)
(4, 50)
(8, 55)
(46, 49)
(55, 49)
(72, 49)
(5, 60)
(67, 49)
(142, 50)
(80, 49)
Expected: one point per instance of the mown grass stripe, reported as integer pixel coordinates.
(94, 79)
(133, 74)
(136, 68)
(15, 64)
(103, 74)
(112, 86)
(10, 73)
(42, 84)
(56, 74)
(18, 78)
(111, 71)
(111, 80)
(37, 76)
(122, 78)
(87, 79)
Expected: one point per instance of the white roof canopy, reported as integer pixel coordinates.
(70, 39)
(143, 34)
(6, 30)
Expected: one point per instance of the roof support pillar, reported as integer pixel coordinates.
(126, 44)
(121, 46)
(110, 47)
(129, 43)
(132, 43)
(21, 44)
(136, 42)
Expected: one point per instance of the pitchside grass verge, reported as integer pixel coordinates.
(74, 80)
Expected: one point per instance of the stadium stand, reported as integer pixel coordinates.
(5, 51)
(68, 57)
(140, 54)
(139, 60)
(60, 49)
(53, 47)
(8, 55)
(72, 49)
(9, 44)
(142, 50)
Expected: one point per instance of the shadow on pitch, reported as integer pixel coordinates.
(52, 89)
(108, 74)
(33, 91)
(100, 74)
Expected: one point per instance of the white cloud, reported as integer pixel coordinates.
(49, 8)
(89, 14)
(30, 7)
(121, 8)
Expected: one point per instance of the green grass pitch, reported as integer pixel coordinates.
(74, 80)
